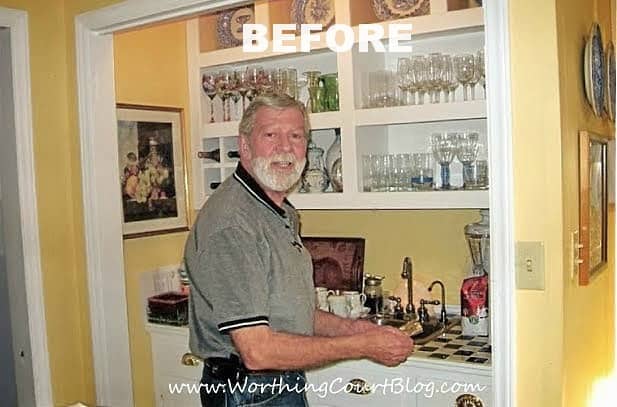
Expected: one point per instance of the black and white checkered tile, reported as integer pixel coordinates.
(456, 347)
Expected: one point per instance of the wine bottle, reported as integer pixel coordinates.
(212, 155)
(233, 154)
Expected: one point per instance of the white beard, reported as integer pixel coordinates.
(273, 179)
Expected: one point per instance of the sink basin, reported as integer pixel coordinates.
(430, 330)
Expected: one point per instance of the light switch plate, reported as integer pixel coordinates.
(530, 265)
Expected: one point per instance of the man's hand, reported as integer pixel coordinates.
(387, 345)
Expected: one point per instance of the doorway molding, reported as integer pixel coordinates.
(102, 217)
(17, 23)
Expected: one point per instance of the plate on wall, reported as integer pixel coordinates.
(611, 82)
(393, 9)
(313, 12)
(229, 25)
(594, 70)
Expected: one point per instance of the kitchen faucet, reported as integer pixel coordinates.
(407, 273)
(443, 318)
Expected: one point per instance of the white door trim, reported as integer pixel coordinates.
(106, 280)
(17, 22)
(502, 281)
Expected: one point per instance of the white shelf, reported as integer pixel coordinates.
(393, 200)
(428, 112)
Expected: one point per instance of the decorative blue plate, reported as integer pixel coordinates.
(594, 70)
(610, 81)
(229, 25)
(313, 12)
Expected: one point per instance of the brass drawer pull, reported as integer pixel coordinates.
(468, 400)
(358, 386)
(188, 359)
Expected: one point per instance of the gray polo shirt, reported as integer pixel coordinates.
(247, 267)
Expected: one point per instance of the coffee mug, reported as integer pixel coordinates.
(354, 302)
(321, 298)
(338, 305)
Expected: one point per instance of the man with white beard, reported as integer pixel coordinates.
(252, 306)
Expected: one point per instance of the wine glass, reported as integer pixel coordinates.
(443, 146)
(252, 81)
(467, 149)
(434, 69)
(223, 90)
(448, 78)
(419, 76)
(479, 65)
(241, 85)
(464, 67)
(208, 83)
(402, 78)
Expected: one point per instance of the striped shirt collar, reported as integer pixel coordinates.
(253, 188)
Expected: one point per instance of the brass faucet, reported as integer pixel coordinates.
(443, 318)
(407, 273)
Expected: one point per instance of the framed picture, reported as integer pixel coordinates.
(153, 181)
(593, 204)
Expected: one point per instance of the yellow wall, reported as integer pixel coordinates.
(589, 309)
(539, 212)
(150, 68)
(537, 196)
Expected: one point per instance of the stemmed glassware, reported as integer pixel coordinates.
(403, 79)
(242, 85)
(253, 75)
(465, 71)
(223, 90)
(419, 76)
(208, 82)
(434, 70)
(448, 78)
(443, 146)
(480, 69)
(467, 148)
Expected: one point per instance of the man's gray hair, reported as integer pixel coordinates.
(273, 101)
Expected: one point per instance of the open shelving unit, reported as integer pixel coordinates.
(449, 28)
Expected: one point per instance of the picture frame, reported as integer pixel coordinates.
(593, 204)
(153, 183)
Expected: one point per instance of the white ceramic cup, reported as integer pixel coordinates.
(338, 305)
(321, 298)
(354, 302)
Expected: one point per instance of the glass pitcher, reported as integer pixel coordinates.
(315, 178)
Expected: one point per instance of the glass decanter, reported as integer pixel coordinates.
(478, 239)
(315, 178)
(333, 154)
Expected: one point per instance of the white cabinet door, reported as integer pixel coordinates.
(343, 387)
(440, 391)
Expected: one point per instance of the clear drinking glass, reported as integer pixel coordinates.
(434, 70)
(464, 66)
(467, 148)
(448, 78)
(480, 72)
(443, 146)
(402, 79)
(419, 76)
(422, 171)
(223, 90)
(208, 83)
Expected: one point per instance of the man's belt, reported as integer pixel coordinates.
(233, 369)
